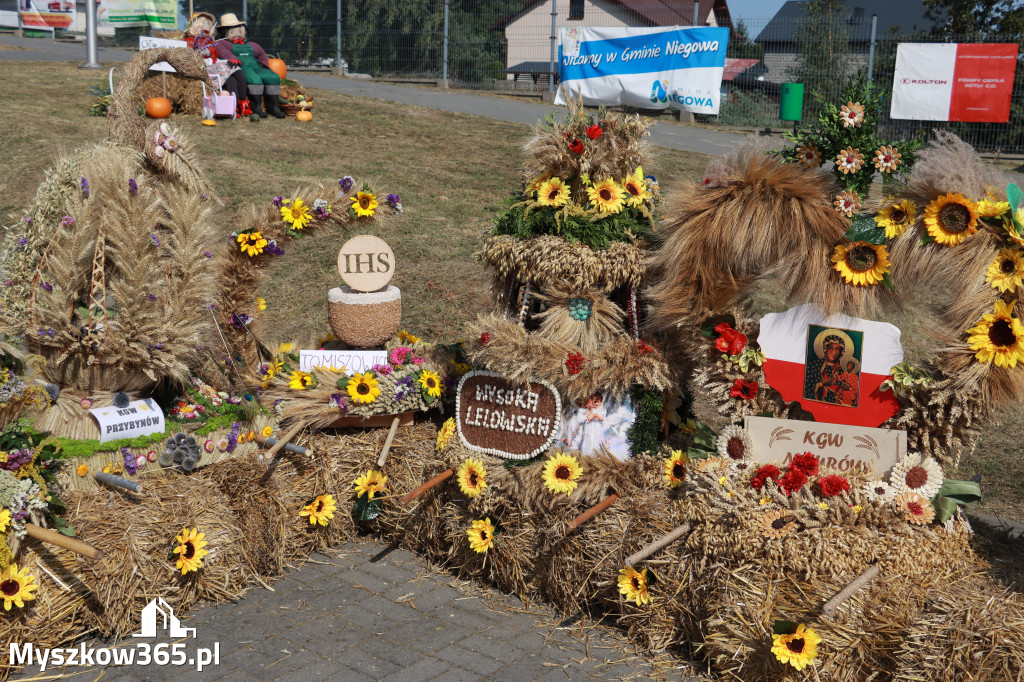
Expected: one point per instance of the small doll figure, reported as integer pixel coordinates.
(200, 37)
(260, 80)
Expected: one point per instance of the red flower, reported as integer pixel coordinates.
(576, 146)
(807, 463)
(594, 132)
(485, 338)
(730, 340)
(833, 485)
(792, 481)
(744, 389)
(574, 362)
(706, 182)
(763, 474)
(644, 347)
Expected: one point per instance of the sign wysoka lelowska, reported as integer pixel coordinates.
(499, 418)
(658, 67)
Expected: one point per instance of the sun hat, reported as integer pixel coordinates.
(229, 20)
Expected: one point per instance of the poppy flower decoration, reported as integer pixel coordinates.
(729, 340)
(594, 131)
(576, 146)
(743, 389)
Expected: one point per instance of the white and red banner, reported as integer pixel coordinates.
(953, 82)
(833, 365)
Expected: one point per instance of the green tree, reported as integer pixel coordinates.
(823, 49)
(741, 46)
(967, 17)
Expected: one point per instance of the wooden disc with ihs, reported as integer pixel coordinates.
(366, 263)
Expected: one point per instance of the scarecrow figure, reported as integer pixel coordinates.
(200, 37)
(260, 80)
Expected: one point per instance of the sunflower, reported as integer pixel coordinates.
(777, 524)
(852, 114)
(861, 263)
(916, 473)
(992, 208)
(633, 584)
(606, 196)
(284, 349)
(190, 550)
(895, 218)
(320, 510)
(445, 434)
(535, 184)
(561, 472)
(675, 468)
(411, 339)
(252, 243)
(430, 382)
(553, 192)
(472, 477)
(1006, 272)
(847, 203)
(16, 587)
(951, 218)
(481, 535)
(849, 160)
(364, 203)
(297, 215)
(370, 483)
(5, 514)
(300, 380)
(797, 649)
(915, 508)
(363, 388)
(636, 188)
(887, 158)
(998, 336)
(734, 443)
(809, 155)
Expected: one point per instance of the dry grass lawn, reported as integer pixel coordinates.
(452, 172)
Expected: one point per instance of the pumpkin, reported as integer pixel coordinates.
(278, 66)
(158, 107)
(304, 116)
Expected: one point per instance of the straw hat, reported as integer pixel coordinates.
(229, 20)
(213, 21)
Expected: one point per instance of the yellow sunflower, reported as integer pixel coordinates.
(190, 544)
(553, 192)
(364, 204)
(16, 587)
(300, 380)
(606, 196)
(370, 483)
(363, 388)
(561, 473)
(861, 263)
(320, 510)
(297, 214)
(535, 184)
(481, 535)
(636, 188)
(992, 208)
(895, 218)
(252, 243)
(999, 337)
(472, 477)
(797, 649)
(430, 382)
(951, 218)
(675, 468)
(633, 584)
(408, 338)
(284, 348)
(445, 434)
(5, 515)
(1006, 272)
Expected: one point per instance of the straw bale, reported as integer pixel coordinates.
(185, 94)
(138, 532)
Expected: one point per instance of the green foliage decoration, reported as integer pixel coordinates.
(643, 434)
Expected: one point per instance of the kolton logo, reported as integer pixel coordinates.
(659, 92)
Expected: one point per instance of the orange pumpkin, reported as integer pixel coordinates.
(278, 66)
(158, 107)
(304, 116)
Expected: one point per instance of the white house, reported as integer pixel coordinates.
(528, 31)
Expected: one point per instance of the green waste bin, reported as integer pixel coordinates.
(791, 102)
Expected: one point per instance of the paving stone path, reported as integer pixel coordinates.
(362, 612)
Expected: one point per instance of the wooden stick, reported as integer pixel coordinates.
(658, 545)
(55, 538)
(593, 511)
(387, 443)
(118, 482)
(860, 581)
(289, 447)
(440, 478)
(276, 447)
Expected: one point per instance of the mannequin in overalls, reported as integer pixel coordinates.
(260, 80)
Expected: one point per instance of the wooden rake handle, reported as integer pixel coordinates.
(658, 545)
(593, 511)
(54, 538)
(436, 480)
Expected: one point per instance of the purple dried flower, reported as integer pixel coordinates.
(152, 297)
(16, 459)
(22, 241)
(338, 400)
(204, 195)
(232, 441)
(133, 186)
(67, 221)
(130, 465)
(278, 202)
(28, 220)
(207, 254)
(46, 286)
(85, 186)
(154, 238)
(239, 320)
(51, 333)
(347, 183)
(273, 249)
(393, 199)
(8, 282)
(321, 214)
